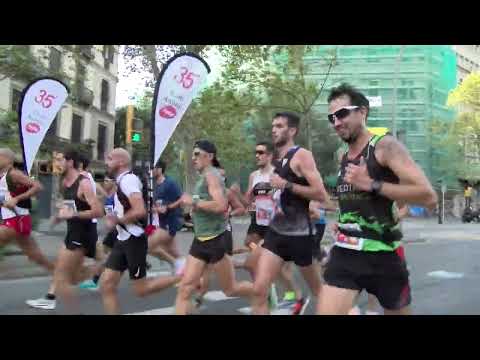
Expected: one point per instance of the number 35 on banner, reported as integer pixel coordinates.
(45, 99)
(185, 78)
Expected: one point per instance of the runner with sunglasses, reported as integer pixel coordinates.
(374, 173)
(209, 205)
(289, 237)
(259, 200)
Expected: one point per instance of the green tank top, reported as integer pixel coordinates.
(207, 225)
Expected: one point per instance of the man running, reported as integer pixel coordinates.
(289, 237)
(130, 249)
(80, 206)
(375, 172)
(209, 206)
(167, 218)
(16, 191)
(259, 198)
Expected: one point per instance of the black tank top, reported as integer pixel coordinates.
(363, 214)
(294, 220)
(71, 193)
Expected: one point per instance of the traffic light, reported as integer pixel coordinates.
(136, 136)
(128, 128)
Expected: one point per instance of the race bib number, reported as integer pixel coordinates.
(265, 211)
(109, 209)
(349, 242)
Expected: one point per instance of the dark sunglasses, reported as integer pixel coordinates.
(341, 113)
(260, 152)
(197, 153)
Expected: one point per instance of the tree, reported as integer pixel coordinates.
(457, 143)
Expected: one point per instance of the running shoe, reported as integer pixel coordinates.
(300, 306)
(42, 303)
(89, 285)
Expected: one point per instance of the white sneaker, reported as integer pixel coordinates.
(42, 303)
(180, 266)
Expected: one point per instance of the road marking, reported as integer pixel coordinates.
(248, 311)
(158, 273)
(161, 311)
(442, 274)
(217, 296)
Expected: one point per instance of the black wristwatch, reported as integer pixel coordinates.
(376, 187)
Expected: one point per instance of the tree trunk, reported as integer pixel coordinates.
(150, 53)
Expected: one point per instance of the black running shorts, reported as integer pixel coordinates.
(110, 239)
(256, 229)
(210, 251)
(228, 238)
(82, 236)
(290, 248)
(381, 273)
(129, 254)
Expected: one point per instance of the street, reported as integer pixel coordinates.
(443, 264)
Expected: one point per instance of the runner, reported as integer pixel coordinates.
(209, 205)
(130, 249)
(16, 191)
(80, 206)
(167, 219)
(375, 172)
(318, 214)
(289, 237)
(235, 208)
(259, 198)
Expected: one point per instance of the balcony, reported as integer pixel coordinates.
(85, 96)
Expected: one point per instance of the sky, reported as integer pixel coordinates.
(131, 86)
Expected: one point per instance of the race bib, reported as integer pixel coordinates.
(108, 209)
(349, 242)
(265, 210)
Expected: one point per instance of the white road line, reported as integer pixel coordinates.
(158, 273)
(248, 311)
(217, 296)
(442, 274)
(161, 311)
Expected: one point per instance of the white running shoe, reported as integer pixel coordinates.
(42, 303)
(180, 266)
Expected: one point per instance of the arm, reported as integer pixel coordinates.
(237, 207)
(136, 212)
(96, 209)
(219, 203)
(414, 187)
(402, 211)
(314, 210)
(247, 199)
(20, 178)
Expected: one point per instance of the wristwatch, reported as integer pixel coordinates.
(376, 187)
(288, 186)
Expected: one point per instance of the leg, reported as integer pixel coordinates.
(108, 286)
(143, 287)
(226, 277)
(286, 278)
(335, 301)
(269, 266)
(251, 261)
(7, 235)
(68, 263)
(193, 272)
(312, 278)
(30, 248)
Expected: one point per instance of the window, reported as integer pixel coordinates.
(373, 83)
(373, 92)
(85, 50)
(16, 94)
(104, 96)
(55, 60)
(76, 136)
(101, 141)
(80, 77)
(108, 52)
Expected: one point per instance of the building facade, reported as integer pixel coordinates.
(468, 60)
(411, 82)
(88, 116)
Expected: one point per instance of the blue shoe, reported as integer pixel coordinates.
(89, 285)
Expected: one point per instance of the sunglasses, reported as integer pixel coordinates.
(341, 113)
(260, 152)
(197, 153)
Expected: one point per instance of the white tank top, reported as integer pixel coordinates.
(5, 196)
(89, 175)
(263, 204)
